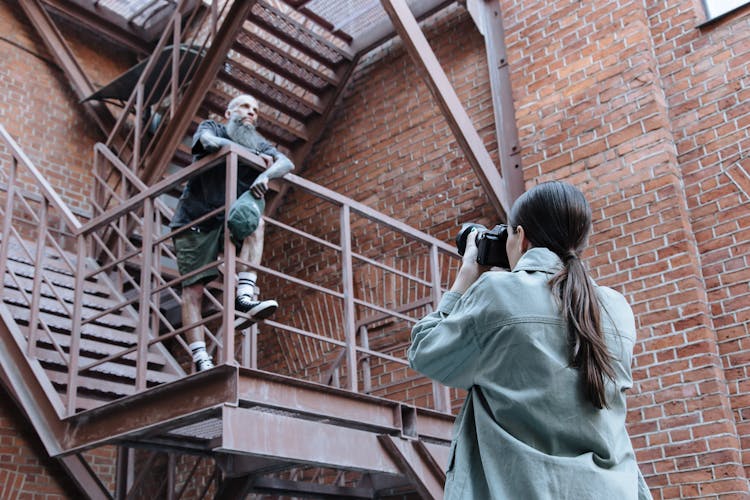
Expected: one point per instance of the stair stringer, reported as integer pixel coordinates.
(27, 383)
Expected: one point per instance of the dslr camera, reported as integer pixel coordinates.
(490, 244)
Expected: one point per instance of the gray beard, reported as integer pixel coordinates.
(244, 135)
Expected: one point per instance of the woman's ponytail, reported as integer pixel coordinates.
(580, 308)
(556, 215)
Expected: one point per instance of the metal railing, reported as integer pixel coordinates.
(341, 309)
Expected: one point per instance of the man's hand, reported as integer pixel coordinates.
(211, 143)
(259, 187)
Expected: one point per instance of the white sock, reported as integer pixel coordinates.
(199, 350)
(246, 283)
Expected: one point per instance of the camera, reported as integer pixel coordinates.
(490, 244)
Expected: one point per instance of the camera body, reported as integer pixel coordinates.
(490, 244)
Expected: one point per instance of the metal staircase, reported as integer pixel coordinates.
(88, 305)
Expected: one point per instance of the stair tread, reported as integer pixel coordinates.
(67, 294)
(13, 296)
(52, 357)
(297, 35)
(58, 276)
(22, 313)
(267, 91)
(284, 64)
(116, 389)
(96, 348)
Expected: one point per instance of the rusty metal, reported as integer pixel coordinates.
(350, 327)
(463, 129)
(36, 287)
(159, 416)
(489, 19)
(296, 35)
(403, 452)
(258, 433)
(230, 265)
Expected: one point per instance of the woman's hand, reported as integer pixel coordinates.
(470, 270)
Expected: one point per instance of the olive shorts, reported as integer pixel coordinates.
(195, 248)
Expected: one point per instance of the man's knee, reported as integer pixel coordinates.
(192, 294)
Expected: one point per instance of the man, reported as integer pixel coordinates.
(200, 245)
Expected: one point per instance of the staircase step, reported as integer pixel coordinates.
(121, 372)
(285, 65)
(48, 305)
(64, 324)
(90, 386)
(26, 282)
(96, 349)
(56, 274)
(298, 36)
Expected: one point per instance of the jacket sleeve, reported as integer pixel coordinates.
(643, 492)
(443, 343)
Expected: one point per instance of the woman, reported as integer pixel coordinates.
(545, 355)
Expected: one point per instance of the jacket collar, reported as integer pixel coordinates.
(539, 259)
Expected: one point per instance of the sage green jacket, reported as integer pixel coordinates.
(526, 430)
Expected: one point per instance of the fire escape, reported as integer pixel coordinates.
(92, 349)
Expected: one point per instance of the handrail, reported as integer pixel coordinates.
(166, 184)
(259, 163)
(45, 186)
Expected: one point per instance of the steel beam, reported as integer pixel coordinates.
(154, 411)
(29, 385)
(262, 433)
(331, 404)
(59, 49)
(297, 489)
(476, 154)
(428, 481)
(489, 20)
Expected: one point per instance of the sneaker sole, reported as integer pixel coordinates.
(260, 312)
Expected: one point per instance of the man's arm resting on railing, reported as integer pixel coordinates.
(279, 168)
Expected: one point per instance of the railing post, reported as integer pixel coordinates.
(441, 394)
(176, 35)
(75, 332)
(347, 271)
(230, 263)
(136, 159)
(7, 220)
(142, 333)
(364, 340)
(36, 289)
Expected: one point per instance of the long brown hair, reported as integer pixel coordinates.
(556, 215)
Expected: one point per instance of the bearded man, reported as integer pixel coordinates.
(200, 245)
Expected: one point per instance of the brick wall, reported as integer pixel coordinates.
(25, 469)
(40, 110)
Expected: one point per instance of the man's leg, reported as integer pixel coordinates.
(247, 301)
(195, 249)
(192, 296)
